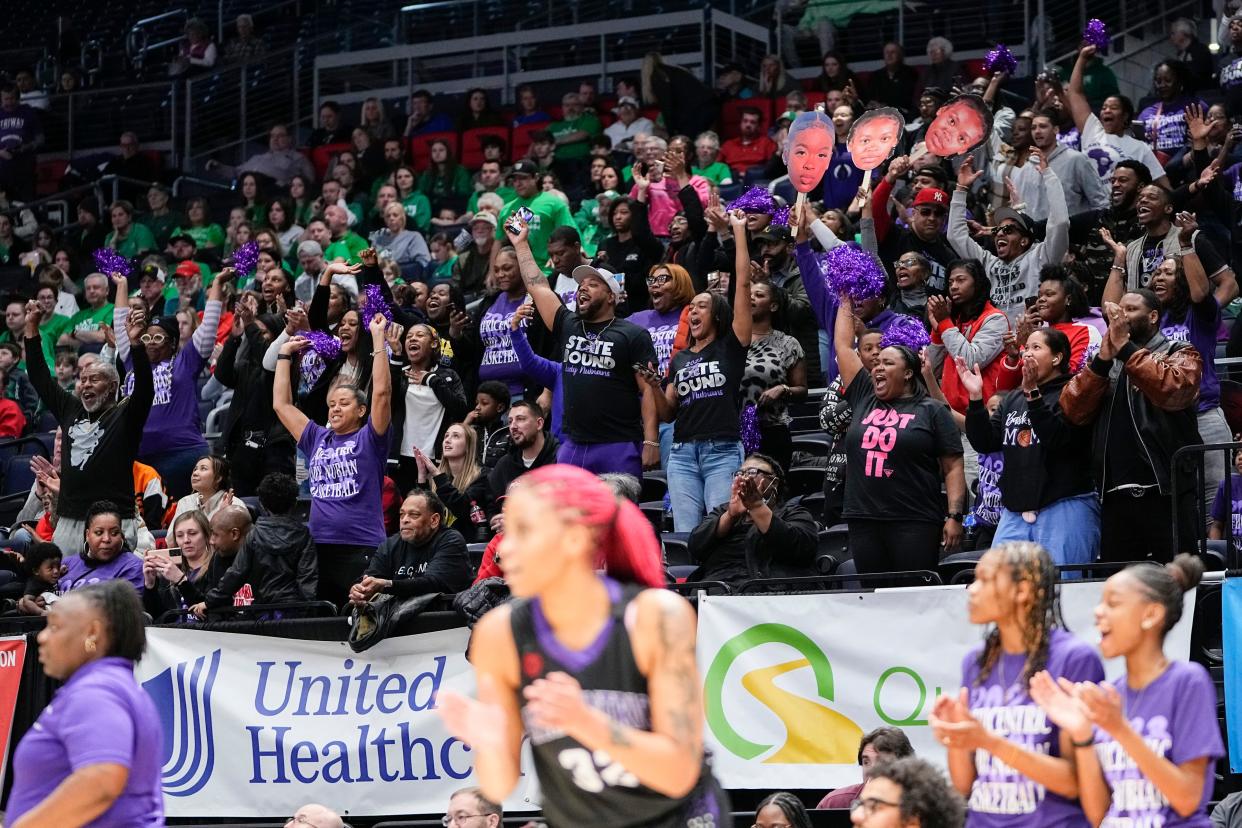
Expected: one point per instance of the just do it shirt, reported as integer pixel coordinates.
(893, 452)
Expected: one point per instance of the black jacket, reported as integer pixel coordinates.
(787, 550)
(461, 504)
(1043, 451)
(240, 367)
(438, 565)
(277, 559)
(444, 383)
(634, 258)
(510, 468)
(168, 596)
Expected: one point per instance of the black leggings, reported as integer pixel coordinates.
(340, 567)
(895, 545)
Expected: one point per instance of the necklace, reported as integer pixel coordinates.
(594, 335)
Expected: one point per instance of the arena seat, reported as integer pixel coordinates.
(471, 147)
(321, 157)
(420, 148)
(676, 549)
(48, 176)
(521, 139)
(18, 476)
(805, 480)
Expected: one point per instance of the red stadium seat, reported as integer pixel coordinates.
(321, 157)
(420, 147)
(731, 115)
(812, 98)
(48, 176)
(521, 138)
(472, 147)
(972, 69)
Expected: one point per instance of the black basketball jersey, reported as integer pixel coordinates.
(583, 787)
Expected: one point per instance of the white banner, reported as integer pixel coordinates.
(258, 726)
(792, 682)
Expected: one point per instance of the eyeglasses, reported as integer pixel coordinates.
(928, 211)
(906, 263)
(751, 474)
(657, 279)
(154, 339)
(298, 819)
(459, 819)
(773, 825)
(1009, 230)
(870, 805)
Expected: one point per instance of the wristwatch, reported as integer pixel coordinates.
(1032, 396)
(954, 516)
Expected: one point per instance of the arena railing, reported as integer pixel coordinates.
(1196, 457)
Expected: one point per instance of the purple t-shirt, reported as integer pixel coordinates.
(346, 474)
(1199, 328)
(1164, 124)
(67, 737)
(988, 503)
(1228, 510)
(126, 567)
(500, 363)
(1000, 795)
(174, 423)
(1176, 716)
(663, 330)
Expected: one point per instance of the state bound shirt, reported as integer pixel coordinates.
(602, 397)
(708, 383)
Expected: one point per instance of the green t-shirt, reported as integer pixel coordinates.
(89, 319)
(162, 226)
(139, 240)
(347, 247)
(417, 211)
(443, 272)
(50, 332)
(211, 235)
(506, 194)
(550, 213)
(585, 122)
(718, 172)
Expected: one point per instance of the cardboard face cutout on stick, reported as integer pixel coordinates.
(962, 124)
(874, 136)
(808, 150)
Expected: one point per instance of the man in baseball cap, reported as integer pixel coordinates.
(547, 211)
(923, 234)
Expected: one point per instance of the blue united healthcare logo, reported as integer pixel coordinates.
(182, 695)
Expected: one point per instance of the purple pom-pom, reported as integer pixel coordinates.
(373, 303)
(109, 261)
(246, 258)
(907, 331)
(781, 217)
(748, 425)
(854, 272)
(327, 346)
(1096, 34)
(1000, 59)
(754, 200)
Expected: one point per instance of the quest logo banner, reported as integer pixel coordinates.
(791, 683)
(258, 726)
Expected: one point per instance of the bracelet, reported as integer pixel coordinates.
(284, 356)
(1089, 742)
(1118, 268)
(651, 443)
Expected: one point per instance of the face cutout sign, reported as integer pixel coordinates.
(961, 125)
(874, 136)
(808, 150)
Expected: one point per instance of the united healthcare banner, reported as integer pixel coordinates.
(792, 682)
(258, 726)
(1231, 618)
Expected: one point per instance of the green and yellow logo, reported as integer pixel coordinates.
(814, 732)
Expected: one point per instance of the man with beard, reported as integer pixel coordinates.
(346, 244)
(425, 556)
(1159, 240)
(100, 434)
(549, 211)
(1119, 219)
(609, 420)
(529, 448)
(924, 234)
(1140, 390)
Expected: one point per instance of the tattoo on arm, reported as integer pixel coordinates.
(679, 665)
(618, 736)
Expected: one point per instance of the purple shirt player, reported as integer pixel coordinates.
(1000, 796)
(68, 737)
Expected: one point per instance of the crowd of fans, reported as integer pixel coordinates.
(419, 332)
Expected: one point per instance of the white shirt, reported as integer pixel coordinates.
(423, 415)
(1105, 150)
(622, 135)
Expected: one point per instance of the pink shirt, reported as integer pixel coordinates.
(662, 202)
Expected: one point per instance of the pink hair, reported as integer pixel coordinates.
(628, 548)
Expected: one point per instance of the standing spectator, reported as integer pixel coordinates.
(21, 135)
(1014, 269)
(280, 163)
(632, 248)
(471, 268)
(628, 124)
(1045, 487)
(574, 131)
(197, 52)
(686, 103)
(427, 397)
(902, 446)
(500, 363)
(1194, 54)
(1106, 138)
(893, 84)
(924, 232)
(345, 463)
(1162, 237)
(66, 773)
(1143, 410)
(1227, 506)
(12, 420)
(489, 421)
(423, 117)
(966, 324)
(1062, 302)
(1164, 121)
(425, 556)
(1229, 67)
(775, 372)
(752, 148)
(1120, 221)
(278, 558)
(331, 129)
(550, 212)
(700, 396)
(246, 46)
(1081, 182)
(84, 326)
(665, 179)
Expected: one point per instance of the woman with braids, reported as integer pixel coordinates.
(781, 810)
(1003, 754)
(598, 669)
(1146, 743)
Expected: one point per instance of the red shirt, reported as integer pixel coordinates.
(12, 421)
(488, 568)
(742, 156)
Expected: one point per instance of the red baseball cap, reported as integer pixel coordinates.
(933, 197)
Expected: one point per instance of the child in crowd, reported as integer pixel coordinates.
(442, 259)
(491, 403)
(1227, 507)
(43, 560)
(67, 371)
(987, 508)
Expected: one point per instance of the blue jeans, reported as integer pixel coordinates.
(700, 477)
(1068, 528)
(666, 444)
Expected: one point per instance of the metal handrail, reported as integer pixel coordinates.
(1165, 14)
(132, 51)
(1228, 449)
(191, 179)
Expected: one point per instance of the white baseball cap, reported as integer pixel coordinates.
(606, 276)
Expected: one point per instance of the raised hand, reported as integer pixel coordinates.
(295, 345)
(1196, 126)
(109, 335)
(295, 320)
(737, 219)
(378, 326)
(369, 257)
(1186, 223)
(394, 339)
(972, 379)
(523, 313)
(966, 174)
(136, 325)
(1117, 247)
(937, 309)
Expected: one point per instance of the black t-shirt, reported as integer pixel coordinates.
(602, 397)
(893, 452)
(707, 384)
(937, 252)
(1153, 255)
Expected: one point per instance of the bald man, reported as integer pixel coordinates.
(315, 816)
(229, 528)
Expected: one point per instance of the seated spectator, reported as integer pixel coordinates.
(43, 562)
(756, 534)
(197, 52)
(277, 558)
(707, 161)
(423, 117)
(105, 554)
(229, 529)
(944, 72)
(731, 83)
(628, 124)
(478, 112)
(280, 163)
(178, 581)
(883, 744)
(892, 530)
(317, 816)
(490, 422)
(246, 46)
(489, 180)
(774, 81)
(893, 84)
(12, 420)
(529, 448)
(394, 241)
(443, 257)
(574, 131)
(752, 148)
(331, 129)
(150, 499)
(469, 803)
(425, 556)
(131, 163)
(781, 809)
(445, 182)
(211, 492)
(528, 111)
(919, 792)
(205, 233)
(345, 243)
